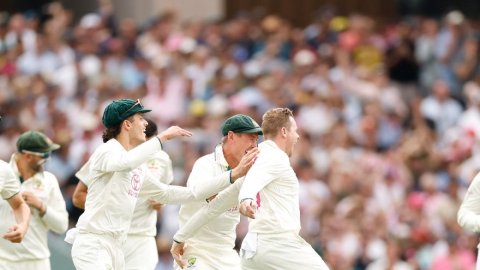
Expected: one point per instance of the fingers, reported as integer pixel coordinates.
(177, 252)
(14, 235)
(31, 199)
(249, 158)
(155, 205)
(175, 131)
(248, 208)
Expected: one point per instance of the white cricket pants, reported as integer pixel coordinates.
(208, 257)
(99, 252)
(285, 251)
(42, 264)
(140, 252)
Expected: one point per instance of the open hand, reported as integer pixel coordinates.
(173, 132)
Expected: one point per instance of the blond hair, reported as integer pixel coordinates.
(274, 119)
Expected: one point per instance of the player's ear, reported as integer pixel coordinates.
(127, 124)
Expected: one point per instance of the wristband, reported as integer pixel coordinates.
(245, 199)
(160, 141)
(178, 242)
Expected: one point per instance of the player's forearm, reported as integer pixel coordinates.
(56, 219)
(169, 194)
(22, 214)
(205, 189)
(225, 200)
(468, 220)
(129, 160)
(249, 190)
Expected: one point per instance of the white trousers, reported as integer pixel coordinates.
(140, 252)
(208, 257)
(42, 264)
(286, 251)
(99, 252)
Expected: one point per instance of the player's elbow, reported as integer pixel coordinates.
(78, 200)
(60, 227)
(463, 217)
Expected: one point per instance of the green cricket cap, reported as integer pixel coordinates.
(121, 109)
(36, 142)
(241, 123)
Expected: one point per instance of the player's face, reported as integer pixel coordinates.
(292, 137)
(245, 142)
(137, 129)
(35, 162)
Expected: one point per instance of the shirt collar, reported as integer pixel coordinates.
(270, 143)
(219, 157)
(13, 165)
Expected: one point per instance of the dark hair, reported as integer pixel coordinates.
(151, 129)
(111, 133)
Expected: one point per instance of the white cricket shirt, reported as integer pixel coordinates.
(34, 246)
(209, 176)
(9, 184)
(144, 218)
(115, 178)
(272, 176)
(469, 211)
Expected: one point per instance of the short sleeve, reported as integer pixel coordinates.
(9, 184)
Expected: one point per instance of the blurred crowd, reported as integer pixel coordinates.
(388, 114)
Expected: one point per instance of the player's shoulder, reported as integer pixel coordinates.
(270, 151)
(208, 158)
(5, 169)
(49, 177)
(4, 165)
(111, 145)
(162, 156)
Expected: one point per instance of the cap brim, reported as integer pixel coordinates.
(144, 111)
(253, 130)
(53, 147)
(139, 110)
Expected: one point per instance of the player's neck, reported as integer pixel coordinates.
(282, 144)
(124, 140)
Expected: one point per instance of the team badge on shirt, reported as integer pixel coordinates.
(191, 263)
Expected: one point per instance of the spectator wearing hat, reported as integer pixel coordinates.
(213, 246)
(40, 190)
(116, 176)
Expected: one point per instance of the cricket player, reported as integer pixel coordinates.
(10, 192)
(272, 241)
(140, 249)
(116, 179)
(40, 190)
(213, 246)
(469, 212)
